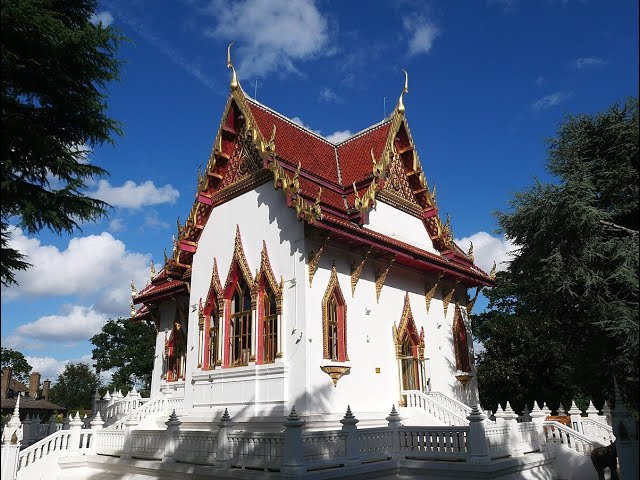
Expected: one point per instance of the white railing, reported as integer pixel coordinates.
(109, 442)
(559, 434)
(248, 449)
(529, 441)
(451, 404)
(125, 406)
(417, 399)
(375, 442)
(155, 405)
(498, 440)
(324, 448)
(434, 442)
(148, 444)
(598, 430)
(56, 442)
(196, 447)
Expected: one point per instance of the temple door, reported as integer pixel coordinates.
(410, 365)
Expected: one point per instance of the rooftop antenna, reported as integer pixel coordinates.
(255, 90)
(384, 107)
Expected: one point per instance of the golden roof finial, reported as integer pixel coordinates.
(404, 90)
(153, 270)
(470, 252)
(234, 78)
(134, 292)
(492, 273)
(133, 309)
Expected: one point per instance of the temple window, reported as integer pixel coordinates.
(212, 338)
(334, 317)
(460, 343)
(269, 326)
(176, 353)
(240, 325)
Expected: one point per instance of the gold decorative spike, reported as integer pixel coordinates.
(492, 273)
(447, 299)
(381, 277)
(356, 270)
(318, 197)
(404, 90)
(470, 252)
(314, 259)
(310, 212)
(166, 258)
(431, 290)
(368, 198)
(180, 229)
(153, 270)
(134, 292)
(133, 309)
(234, 78)
(200, 315)
(271, 145)
(378, 167)
(472, 302)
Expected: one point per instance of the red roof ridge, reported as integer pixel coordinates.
(365, 131)
(288, 120)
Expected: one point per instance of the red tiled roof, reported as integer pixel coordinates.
(354, 154)
(157, 291)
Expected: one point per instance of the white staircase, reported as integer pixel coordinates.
(445, 410)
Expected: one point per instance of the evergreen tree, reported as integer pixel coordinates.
(128, 347)
(75, 387)
(56, 65)
(20, 368)
(565, 313)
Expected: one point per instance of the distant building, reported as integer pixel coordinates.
(34, 401)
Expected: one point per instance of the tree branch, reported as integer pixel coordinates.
(620, 228)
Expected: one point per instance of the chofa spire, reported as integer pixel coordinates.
(404, 90)
(234, 78)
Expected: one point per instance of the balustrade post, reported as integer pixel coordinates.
(293, 447)
(515, 438)
(11, 438)
(606, 412)
(222, 451)
(499, 415)
(526, 414)
(173, 428)
(592, 411)
(477, 440)
(561, 411)
(352, 447)
(66, 421)
(27, 434)
(537, 417)
(129, 423)
(74, 438)
(576, 417)
(394, 422)
(96, 424)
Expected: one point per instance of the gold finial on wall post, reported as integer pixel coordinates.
(234, 78)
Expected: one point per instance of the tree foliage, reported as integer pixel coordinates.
(128, 347)
(20, 368)
(56, 65)
(75, 387)
(563, 318)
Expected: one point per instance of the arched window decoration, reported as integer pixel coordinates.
(210, 323)
(269, 326)
(409, 345)
(175, 351)
(460, 342)
(212, 319)
(240, 325)
(334, 317)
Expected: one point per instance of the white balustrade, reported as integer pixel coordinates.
(57, 442)
(324, 448)
(375, 442)
(109, 442)
(430, 404)
(196, 447)
(451, 404)
(148, 444)
(155, 405)
(434, 442)
(256, 449)
(497, 440)
(559, 434)
(597, 429)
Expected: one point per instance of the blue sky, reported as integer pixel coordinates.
(488, 82)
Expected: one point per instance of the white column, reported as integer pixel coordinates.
(477, 440)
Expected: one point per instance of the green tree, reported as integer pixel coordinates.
(565, 313)
(56, 65)
(15, 360)
(128, 347)
(75, 386)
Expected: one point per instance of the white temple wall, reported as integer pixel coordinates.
(384, 218)
(166, 313)
(370, 342)
(262, 215)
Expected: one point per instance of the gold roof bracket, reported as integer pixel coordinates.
(233, 85)
(404, 90)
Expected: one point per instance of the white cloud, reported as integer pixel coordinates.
(271, 36)
(76, 324)
(95, 266)
(329, 96)
(550, 100)
(105, 18)
(586, 62)
(116, 225)
(487, 249)
(422, 33)
(49, 367)
(134, 196)
(298, 121)
(339, 136)
(154, 221)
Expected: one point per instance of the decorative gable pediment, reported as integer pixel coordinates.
(407, 328)
(239, 266)
(266, 276)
